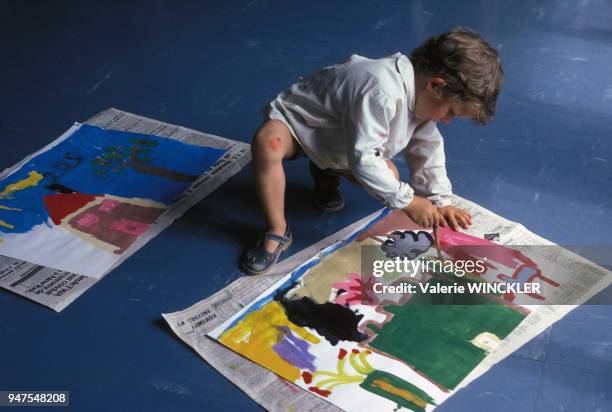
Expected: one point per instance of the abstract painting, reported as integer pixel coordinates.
(322, 328)
(82, 202)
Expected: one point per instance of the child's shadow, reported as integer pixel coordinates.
(232, 213)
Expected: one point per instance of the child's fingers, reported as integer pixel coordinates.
(441, 220)
(421, 221)
(444, 221)
(453, 221)
(436, 218)
(431, 219)
(466, 215)
(425, 222)
(462, 221)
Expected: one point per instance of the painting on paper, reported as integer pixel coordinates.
(84, 201)
(318, 330)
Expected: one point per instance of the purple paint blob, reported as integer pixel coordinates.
(294, 350)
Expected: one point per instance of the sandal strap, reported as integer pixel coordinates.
(280, 239)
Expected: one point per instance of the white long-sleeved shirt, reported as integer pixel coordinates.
(356, 114)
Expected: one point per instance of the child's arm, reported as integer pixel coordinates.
(426, 160)
(427, 163)
(366, 126)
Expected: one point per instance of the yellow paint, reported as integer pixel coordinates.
(33, 180)
(16, 209)
(487, 341)
(256, 334)
(341, 377)
(333, 382)
(402, 393)
(6, 225)
(364, 368)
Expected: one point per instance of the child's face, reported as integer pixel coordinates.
(430, 106)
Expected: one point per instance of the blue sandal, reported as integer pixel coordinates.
(258, 260)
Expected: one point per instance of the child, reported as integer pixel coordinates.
(352, 118)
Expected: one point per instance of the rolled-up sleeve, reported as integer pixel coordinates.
(366, 126)
(426, 160)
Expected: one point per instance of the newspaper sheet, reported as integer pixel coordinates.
(58, 288)
(194, 323)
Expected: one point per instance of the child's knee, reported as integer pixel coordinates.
(267, 146)
(393, 168)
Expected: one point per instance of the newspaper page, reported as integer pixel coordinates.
(273, 393)
(589, 279)
(56, 288)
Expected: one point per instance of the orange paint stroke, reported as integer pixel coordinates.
(402, 393)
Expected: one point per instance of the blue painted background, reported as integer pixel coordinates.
(87, 143)
(545, 162)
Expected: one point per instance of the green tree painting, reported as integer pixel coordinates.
(137, 156)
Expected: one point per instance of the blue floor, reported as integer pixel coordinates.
(546, 162)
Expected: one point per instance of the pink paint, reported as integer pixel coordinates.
(352, 290)
(108, 205)
(466, 247)
(131, 227)
(461, 246)
(87, 220)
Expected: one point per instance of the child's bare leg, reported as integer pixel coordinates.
(271, 144)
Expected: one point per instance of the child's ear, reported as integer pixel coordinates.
(435, 83)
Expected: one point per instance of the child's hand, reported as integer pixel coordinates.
(423, 212)
(453, 217)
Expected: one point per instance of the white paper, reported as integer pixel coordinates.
(210, 316)
(57, 273)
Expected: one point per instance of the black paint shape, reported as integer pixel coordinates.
(332, 321)
(407, 244)
(56, 187)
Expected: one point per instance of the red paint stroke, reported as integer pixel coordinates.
(355, 351)
(61, 205)
(341, 353)
(307, 376)
(318, 391)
